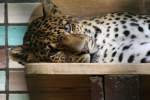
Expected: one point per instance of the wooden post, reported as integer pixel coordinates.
(145, 87)
(97, 91)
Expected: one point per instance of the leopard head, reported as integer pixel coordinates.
(52, 37)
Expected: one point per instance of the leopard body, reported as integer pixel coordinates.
(119, 37)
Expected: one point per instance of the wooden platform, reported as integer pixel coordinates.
(87, 69)
(65, 81)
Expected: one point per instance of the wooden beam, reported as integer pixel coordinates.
(87, 68)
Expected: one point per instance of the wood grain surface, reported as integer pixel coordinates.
(125, 87)
(87, 8)
(86, 68)
(49, 87)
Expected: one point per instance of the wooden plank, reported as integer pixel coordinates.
(122, 88)
(83, 8)
(146, 8)
(57, 96)
(96, 7)
(49, 87)
(145, 87)
(50, 83)
(86, 68)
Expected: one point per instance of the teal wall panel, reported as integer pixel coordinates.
(2, 80)
(20, 12)
(18, 97)
(2, 58)
(1, 12)
(2, 96)
(16, 34)
(2, 35)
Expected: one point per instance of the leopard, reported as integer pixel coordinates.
(117, 37)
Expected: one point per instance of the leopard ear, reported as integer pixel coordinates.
(49, 8)
(16, 54)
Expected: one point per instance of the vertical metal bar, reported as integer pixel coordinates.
(6, 47)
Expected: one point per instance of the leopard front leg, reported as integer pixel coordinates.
(69, 57)
(81, 58)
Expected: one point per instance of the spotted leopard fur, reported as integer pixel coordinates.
(113, 38)
(121, 37)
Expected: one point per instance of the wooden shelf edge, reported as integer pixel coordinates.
(86, 69)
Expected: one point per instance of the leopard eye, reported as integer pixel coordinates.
(68, 28)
